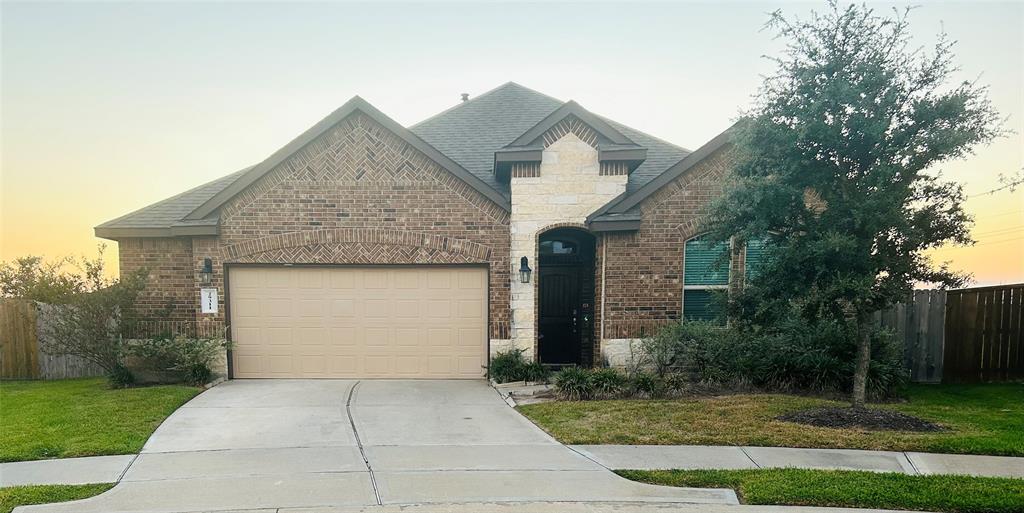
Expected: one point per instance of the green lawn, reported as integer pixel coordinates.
(45, 494)
(81, 417)
(849, 489)
(981, 419)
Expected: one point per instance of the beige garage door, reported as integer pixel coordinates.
(349, 322)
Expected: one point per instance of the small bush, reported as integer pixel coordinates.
(535, 371)
(608, 382)
(793, 355)
(676, 383)
(89, 326)
(509, 366)
(648, 385)
(120, 377)
(191, 358)
(574, 383)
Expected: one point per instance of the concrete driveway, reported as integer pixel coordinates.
(265, 444)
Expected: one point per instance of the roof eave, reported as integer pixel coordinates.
(118, 233)
(504, 156)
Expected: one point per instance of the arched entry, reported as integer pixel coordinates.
(565, 281)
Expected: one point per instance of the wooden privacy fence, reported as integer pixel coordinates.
(984, 339)
(22, 330)
(961, 336)
(918, 323)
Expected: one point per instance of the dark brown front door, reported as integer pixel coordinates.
(560, 318)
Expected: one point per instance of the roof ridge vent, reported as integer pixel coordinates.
(465, 97)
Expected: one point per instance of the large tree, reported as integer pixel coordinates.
(835, 166)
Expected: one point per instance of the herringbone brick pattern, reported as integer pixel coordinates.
(356, 253)
(468, 251)
(359, 151)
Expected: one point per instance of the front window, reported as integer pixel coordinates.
(754, 257)
(705, 270)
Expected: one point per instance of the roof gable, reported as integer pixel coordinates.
(567, 110)
(356, 104)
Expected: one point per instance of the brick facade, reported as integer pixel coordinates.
(170, 291)
(358, 194)
(644, 269)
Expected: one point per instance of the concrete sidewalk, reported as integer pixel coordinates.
(110, 469)
(659, 457)
(66, 471)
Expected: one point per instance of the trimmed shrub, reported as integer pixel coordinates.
(509, 366)
(648, 385)
(535, 371)
(793, 355)
(608, 382)
(574, 384)
(190, 358)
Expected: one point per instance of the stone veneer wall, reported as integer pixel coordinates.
(568, 189)
(643, 271)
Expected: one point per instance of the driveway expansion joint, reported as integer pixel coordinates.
(359, 442)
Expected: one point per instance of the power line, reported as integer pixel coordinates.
(1000, 214)
(1008, 184)
(986, 243)
(999, 231)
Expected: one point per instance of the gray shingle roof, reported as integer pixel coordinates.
(660, 156)
(468, 134)
(171, 211)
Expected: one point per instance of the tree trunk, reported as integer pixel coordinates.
(860, 371)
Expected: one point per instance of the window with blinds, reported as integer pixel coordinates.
(754, 257)
(705, 269)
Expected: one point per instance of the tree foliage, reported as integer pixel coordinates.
(52, 282)
(834, 165)
(89, 326)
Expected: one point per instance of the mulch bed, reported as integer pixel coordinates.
(864, 418)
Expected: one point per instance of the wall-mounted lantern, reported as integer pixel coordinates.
(206, 275)
(524, 270)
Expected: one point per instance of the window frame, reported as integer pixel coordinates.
(748, 271)
(729, 274)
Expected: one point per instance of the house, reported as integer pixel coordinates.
(366, 249)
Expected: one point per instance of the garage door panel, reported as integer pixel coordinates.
(343, 322)
(406, 308)
(439, 309)
(377, 309)
(283, 280)
(375, 279)
(471, 281)
(275, 306)
(470, 364)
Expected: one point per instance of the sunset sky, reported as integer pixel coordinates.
(108, 107)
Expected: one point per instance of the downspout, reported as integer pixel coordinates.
(604, 253)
